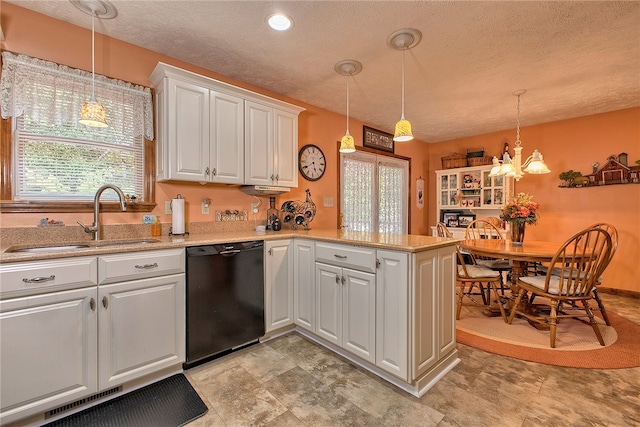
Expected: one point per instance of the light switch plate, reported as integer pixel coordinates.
(167, 207)
(328, 202)
(205, 209)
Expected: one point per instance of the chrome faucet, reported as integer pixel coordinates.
(95, 228)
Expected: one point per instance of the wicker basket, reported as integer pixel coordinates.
(480, 161)
(455, 160)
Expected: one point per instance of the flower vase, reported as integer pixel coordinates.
(517, 233)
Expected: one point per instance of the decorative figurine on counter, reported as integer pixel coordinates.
(299, 213)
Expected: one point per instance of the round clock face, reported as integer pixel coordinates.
(311, 162)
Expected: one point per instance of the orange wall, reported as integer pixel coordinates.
(43, 37)
(568, 144)
(572, 144)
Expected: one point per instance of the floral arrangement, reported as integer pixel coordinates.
(521, 209)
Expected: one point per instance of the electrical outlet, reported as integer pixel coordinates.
(254, 208)
(167, 207)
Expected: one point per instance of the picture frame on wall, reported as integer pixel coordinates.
(377, 139)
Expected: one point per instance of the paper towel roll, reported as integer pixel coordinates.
(177, 213)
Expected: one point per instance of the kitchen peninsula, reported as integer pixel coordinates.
(385, 302)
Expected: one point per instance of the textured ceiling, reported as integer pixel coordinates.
(574, 58)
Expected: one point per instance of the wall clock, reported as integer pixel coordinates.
(311, 162)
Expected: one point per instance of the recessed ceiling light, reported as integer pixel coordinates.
(280, 22)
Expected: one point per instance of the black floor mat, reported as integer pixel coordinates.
(171, 402)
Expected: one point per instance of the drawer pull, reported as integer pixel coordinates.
(92, 304)
(337, 279)
(105, 302)
(147, 266)
(340, 256)
(39, 279)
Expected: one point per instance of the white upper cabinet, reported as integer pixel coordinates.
(209, 131)
(271, 138)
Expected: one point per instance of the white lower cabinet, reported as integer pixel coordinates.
(304, 282)
(141, 328)
(346, 299)
(278, 281)
(48, 355)
(59, 346)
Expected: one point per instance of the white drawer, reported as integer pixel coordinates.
(363, 259)
(139, 265)
(38, 277)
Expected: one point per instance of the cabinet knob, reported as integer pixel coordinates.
(337, 279)
(92, 304)
(214, 172)
(206, 172)
(105, 302)
(342, 279)
(277, 177)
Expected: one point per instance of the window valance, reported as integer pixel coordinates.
(34, 87)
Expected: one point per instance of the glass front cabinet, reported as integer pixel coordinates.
(468, 193)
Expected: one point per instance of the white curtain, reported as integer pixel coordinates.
(53, 93)
(374, 193)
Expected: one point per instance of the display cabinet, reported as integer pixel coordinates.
(464, 194)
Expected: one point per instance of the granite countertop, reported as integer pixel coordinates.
(403, 242)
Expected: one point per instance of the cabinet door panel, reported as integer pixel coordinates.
(141, 329)
(259, 155)
(304, 280)
(189, 130)
(425, 283)
(227, 138)
(56, 333)
(359, 314)
(279, 284)
(446, 300)
(329, 303)
(286, 149)
(392, 313)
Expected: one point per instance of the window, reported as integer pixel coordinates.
(55, 159)
(374, 193)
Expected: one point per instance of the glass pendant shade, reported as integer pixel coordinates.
(93, 114)
(347, 144)
(537, 165)
(403, 131)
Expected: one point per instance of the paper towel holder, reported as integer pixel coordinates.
(171, 233)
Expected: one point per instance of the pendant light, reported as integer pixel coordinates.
(404, 39)
(92, 113)
(534, 164)
(348, 67)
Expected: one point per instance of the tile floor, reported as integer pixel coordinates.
(291, 381)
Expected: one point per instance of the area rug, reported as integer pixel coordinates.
(576, 343)
(171, 402)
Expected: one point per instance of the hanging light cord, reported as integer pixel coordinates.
(402, 115)
(348, 78)
(518, 142)
(93, 61)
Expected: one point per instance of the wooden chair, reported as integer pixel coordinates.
(580, 262)
(443, 231)
(486, 229)
(613, 233)
(477, 281)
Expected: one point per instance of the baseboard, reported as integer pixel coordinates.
(620, 292)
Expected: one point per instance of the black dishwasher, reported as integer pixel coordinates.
(225, 299)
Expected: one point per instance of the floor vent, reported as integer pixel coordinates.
(81, 402)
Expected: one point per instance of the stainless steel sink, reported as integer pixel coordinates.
(71, 246)
(102, 243)
(47, 248)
